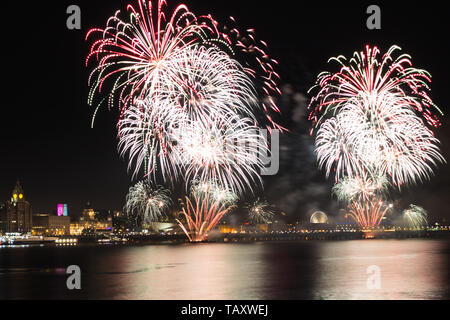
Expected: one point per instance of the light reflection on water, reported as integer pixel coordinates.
(410, 269)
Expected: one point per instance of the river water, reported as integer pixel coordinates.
(358, 269)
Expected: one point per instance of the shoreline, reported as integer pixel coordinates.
(179, 239)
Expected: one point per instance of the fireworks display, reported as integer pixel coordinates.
(147, 202)
(174, 129)
(193, 94)
(189, 109)
(415, 217)
(260, 212)
(369, 129)
(378, 137)
(368, 119)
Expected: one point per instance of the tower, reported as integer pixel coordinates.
(17, 194)
(88, 212)
(16, 214)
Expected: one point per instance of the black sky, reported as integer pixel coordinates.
(45, 135)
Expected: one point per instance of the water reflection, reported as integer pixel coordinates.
(410, 269)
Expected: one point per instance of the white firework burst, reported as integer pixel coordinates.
(378, 135)
(260, 212)
(227, 151)
(205, 82)
(213, 189)
(350, 189)
(146, 137)
(369, 119)
(415, 217)
(147, 202)
(198, 116)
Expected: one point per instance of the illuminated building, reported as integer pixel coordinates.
(16, 214)
(93, 221)
(77, 228)
(319, 217)
(225, 228)
(88, 212)
(262, 227)
(278, 226)
(62, 209)
(245, 228)
(51, 225)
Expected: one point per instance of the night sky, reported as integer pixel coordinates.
(45, 135)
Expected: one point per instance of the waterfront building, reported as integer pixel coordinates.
(93, 227)
(62, 209)
(93, 221)
(227, 228)
(252, 228)
(16, 213)
(50, 225)
(88, 213)
(278, 226)
(318, 217)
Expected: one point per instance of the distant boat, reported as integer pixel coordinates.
(31, 240)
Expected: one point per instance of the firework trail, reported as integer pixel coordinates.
(206, 82)
(147, 202)
(201, 215)
(260, 212)
(145, 137)
(243, 45)
(366, 78)
(364, 197)
(133, 54)
(137, 55)
(368, 213)
(210, 203)
(415, 217)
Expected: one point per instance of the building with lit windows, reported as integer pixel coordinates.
(97, 227)
(88, 213)
(92, 222)
(50, 225)
(16, 213)
(226, 228)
